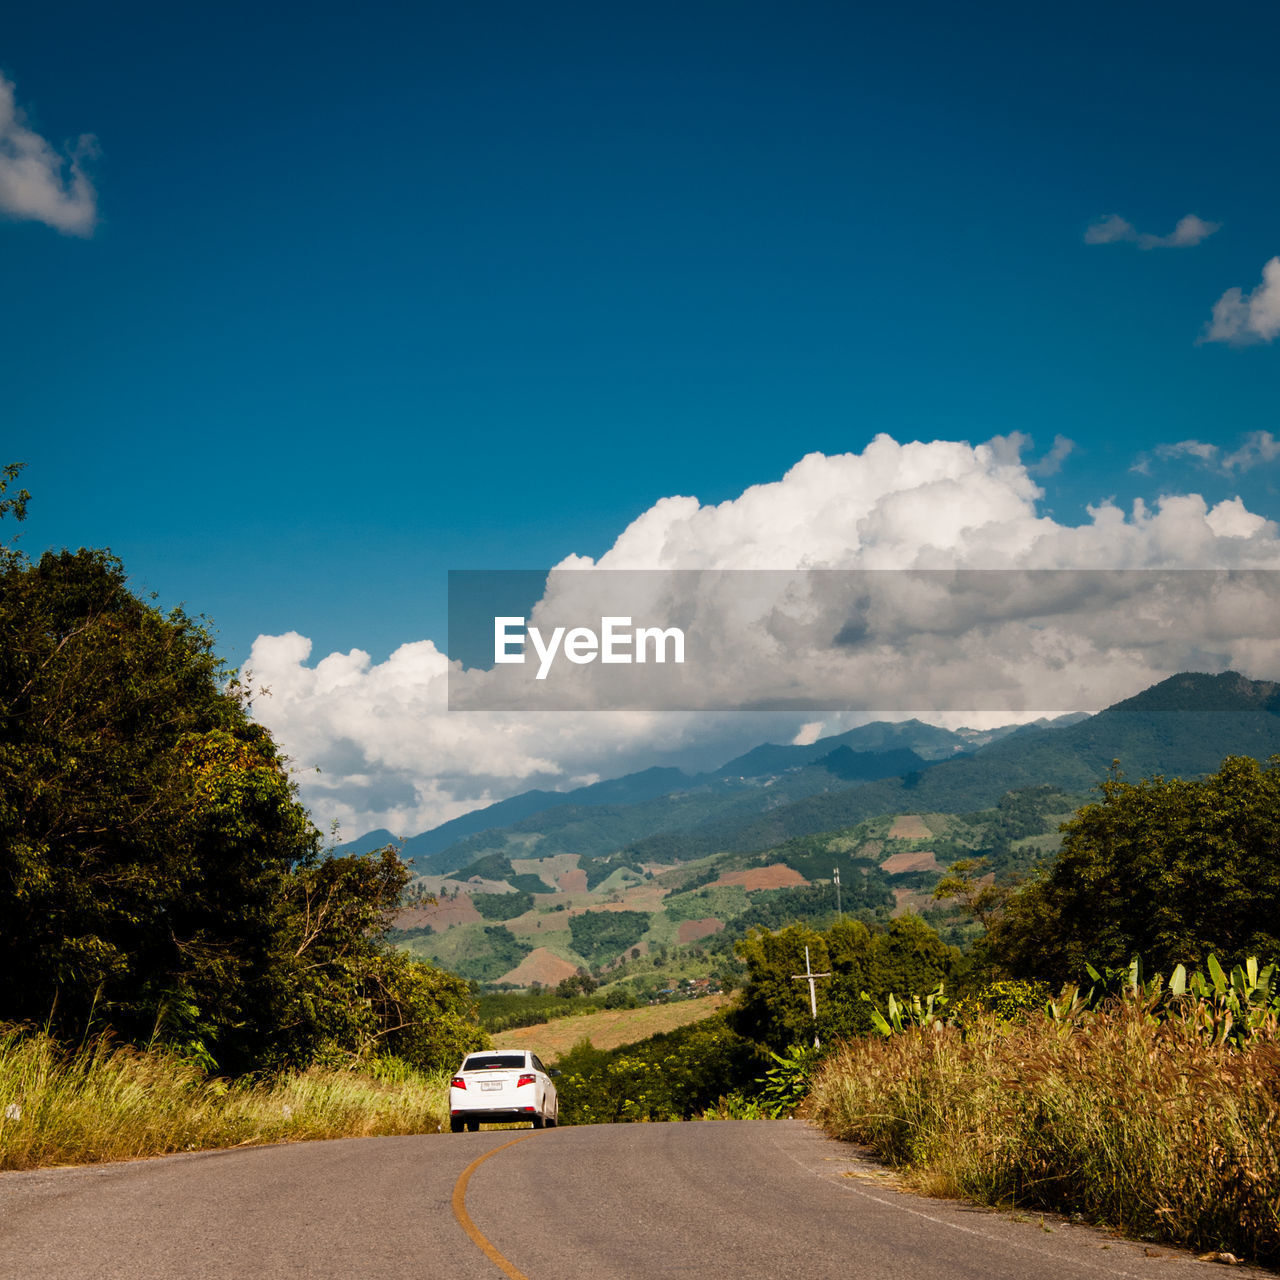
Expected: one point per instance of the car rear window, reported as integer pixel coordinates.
(493, 1061)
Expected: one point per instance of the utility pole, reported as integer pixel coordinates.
(811, 977)
(836, 877)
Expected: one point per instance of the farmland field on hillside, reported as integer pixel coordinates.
(608, 1029)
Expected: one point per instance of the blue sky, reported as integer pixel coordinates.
(373, 294)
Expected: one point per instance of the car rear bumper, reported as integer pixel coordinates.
(497, 1115)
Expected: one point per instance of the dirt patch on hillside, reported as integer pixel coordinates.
(910, 826)
(535, 922)
(905, 900)
(692, 930)
(443, 915)
(774, 876)
(547, 868)
(574, 881)
(583, 908)
(644, 897)
(921, 861)
(541, 966)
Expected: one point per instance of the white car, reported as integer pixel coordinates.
(502, 1086)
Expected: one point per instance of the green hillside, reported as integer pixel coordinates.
(672, 877)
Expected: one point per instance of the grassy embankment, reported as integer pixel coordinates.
(112, 1102)
(1143, 1127)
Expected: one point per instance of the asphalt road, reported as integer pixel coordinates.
(734, 1199)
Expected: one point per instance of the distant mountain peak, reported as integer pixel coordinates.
(1200, 691)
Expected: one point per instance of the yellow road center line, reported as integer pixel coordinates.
(478, 1237)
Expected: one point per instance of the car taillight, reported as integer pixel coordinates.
(525, 1079)
(457, 1083)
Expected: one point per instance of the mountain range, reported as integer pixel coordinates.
(643, 876)
(1182, 726)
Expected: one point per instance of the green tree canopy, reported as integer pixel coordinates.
(157, 873)
(1167, 869)
(602, 935)
(907, 958)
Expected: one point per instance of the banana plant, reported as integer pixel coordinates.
(785, 1085)
(1224, 1008)
(900, 1014)
(1234, 1008)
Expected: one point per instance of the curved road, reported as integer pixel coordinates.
(741, 1199)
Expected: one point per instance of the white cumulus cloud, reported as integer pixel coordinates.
(39, 184)
(1242, 318)
(1011, 645)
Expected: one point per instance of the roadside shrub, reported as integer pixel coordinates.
(1147, 1125)
(1010, 1000)
(673, 1076)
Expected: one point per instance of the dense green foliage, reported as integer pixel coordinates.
(496, 866)
(500, 952)
(723, 902)
(773, 1006)
(529, 883)
(1169, 870)
(147, 827)
(598, 870)
(501, 906)
(806, 904)
(157, 874)
(596, 832)
(815, 859)
(673, 1076)
(503, 1010)
(493, 866)
(601, 935)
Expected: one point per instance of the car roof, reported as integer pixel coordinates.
(523, 1054)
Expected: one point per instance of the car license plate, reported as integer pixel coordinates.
(491, 1084)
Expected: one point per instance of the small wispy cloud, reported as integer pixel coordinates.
(1204, 454)
(1256, 449)
(1198, 449)
(1113, 229)
(1052, 461)
(1243, 318)
(38, 183)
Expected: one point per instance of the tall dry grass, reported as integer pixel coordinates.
(105, 1101)
(1143, 1127)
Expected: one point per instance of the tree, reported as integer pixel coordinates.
(907, 958)
(576, 984)
(981, 898)
(157, 873)
(424, 1016)
(146, 824)
(15, 506)
(1170, 870)
(603, 935)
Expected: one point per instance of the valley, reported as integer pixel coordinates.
(649, 879)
